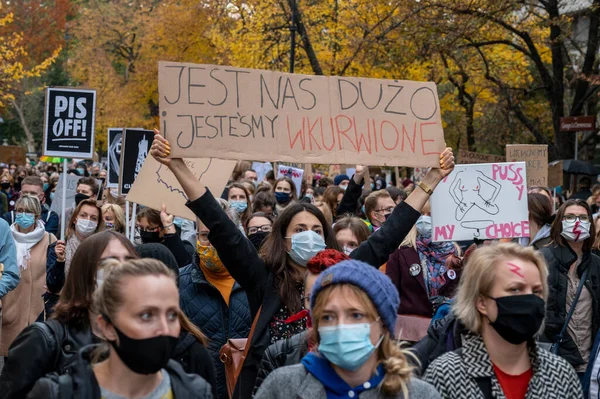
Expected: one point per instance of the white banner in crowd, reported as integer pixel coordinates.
(71, 191)
(483, 201)
(293, 173)
(262, 168)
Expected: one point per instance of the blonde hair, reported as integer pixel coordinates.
(479, 274)
(119, 215)
(30, 204)
(394, 359)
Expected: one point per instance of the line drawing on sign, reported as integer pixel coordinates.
(142, 153)
(174, 189)
(469, 192)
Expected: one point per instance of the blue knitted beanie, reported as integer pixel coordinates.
(340, 178)
(374, 283)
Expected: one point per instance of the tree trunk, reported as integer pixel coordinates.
(23, 122)
(308, 48)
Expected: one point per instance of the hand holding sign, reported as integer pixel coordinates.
(161, 149)
(59, 249)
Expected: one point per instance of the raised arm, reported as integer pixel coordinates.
(349, 203)
(235, 251)
(381, 244)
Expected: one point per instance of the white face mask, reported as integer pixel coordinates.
(85, 227)
(575, 231)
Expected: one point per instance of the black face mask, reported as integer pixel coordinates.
(148, 237)
(5, 186)
(257, 239)
(144, 356)
(519, 317)
(80, 197)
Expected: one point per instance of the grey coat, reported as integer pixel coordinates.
(294, 382)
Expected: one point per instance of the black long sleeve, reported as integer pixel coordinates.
(349, 203)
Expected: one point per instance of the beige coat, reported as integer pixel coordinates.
(23, 305)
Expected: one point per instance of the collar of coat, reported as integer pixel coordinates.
(477, 360)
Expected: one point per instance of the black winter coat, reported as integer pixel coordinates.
(195, 359)
(559, 261)
(243, 263)
(85, 385)
(443, 335)
(285, 352)
(41, 348)
(205, 307)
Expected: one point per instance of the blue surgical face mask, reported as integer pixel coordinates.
(344, 187)
(52, 196)
(347, 345)
(372, 186)
(25, 220)
(81, 171)
(46, 186)
(282, 198)
(305, 245)
(424, 226)
(239, 206)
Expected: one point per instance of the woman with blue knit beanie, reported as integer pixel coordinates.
(353, 309)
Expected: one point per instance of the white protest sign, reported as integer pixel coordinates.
(261, 168)
(483, 201)
(293, 173)
(71, 191)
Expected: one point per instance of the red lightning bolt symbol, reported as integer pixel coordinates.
(576, 231)
(515, 269)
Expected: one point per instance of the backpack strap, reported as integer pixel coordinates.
(65, 386)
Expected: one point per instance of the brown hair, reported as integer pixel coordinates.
(89, 181)
(32, 181)
(152, 215)
(393, 358)
(239, 169)
(75, 214)
(355, 225)
(264, 198)
(76, 295)
(293, 194)
(540, 209)
(330, 197)
(323, 207)
(257, 215)
(372, 199)
(558, 239)
(274, 253)
(246, 214)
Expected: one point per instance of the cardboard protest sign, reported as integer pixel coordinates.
(69, 122)
(135, 147)
(293, 173)
(115, 138)
(483, 201)
(261, 168)
(71, 191)
(12, 154)
(272, 116)
(156, 184)
(468, 157)
(536, 159)
(555, 174)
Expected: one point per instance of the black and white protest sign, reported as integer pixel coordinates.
(135, 148)
(69, 122)
(115, 139)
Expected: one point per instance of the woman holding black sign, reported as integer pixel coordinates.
(273, 280)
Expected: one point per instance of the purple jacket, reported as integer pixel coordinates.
(414, 297)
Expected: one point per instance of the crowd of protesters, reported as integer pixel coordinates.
(338, 292)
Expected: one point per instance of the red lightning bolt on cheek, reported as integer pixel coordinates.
(515, 269)
(576, 231)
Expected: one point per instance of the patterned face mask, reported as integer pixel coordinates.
(209, 258)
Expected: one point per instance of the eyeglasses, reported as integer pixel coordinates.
(571, 218)
(254, 229)
(148, 229)
(386, 210)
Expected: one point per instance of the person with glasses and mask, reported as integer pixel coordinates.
(155, 226)
(212, 299)
(501, 301)
(273, 278)
(34, 186)
(258, 227)
(571, 263)
(379, 205)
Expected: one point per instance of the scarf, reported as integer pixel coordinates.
(214, 270)
(335, 386)
(25, 241)
(433, 257)
(70, 248)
